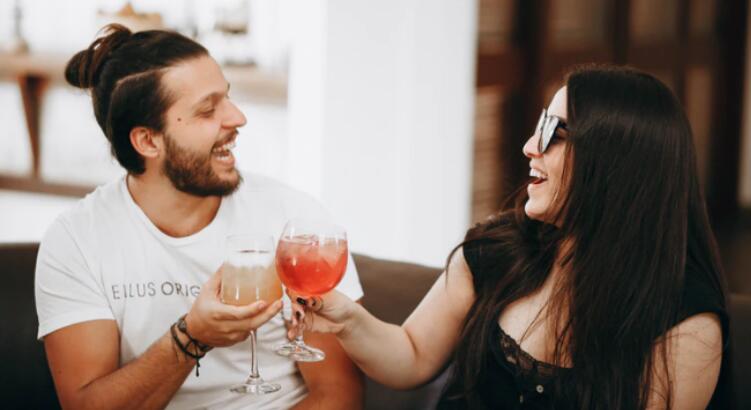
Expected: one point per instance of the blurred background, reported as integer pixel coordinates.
(405, 117)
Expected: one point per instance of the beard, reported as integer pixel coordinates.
(191, 172)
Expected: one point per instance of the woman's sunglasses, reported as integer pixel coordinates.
(547, 125)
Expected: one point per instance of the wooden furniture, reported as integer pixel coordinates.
(35, 73)
(524, 47)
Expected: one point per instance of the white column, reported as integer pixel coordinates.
(306, 99)
(381, 125)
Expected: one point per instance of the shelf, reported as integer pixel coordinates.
(253, 83)
(35, 72)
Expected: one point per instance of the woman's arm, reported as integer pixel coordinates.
(408, 355)
(694, 359)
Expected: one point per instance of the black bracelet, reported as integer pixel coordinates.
(185, 348)
(182, 326)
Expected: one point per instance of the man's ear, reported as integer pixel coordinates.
(146, 142)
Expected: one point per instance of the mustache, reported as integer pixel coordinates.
(231, 137)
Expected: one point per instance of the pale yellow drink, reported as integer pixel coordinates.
(250, 276)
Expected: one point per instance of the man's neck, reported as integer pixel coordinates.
(174, 212)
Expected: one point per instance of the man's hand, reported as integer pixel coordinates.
(84, 358)
(217, 324)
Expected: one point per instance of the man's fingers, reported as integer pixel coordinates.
(215, 281)
(266, 315)
(231, 312)
(240, 336)
(257, 309)
(259, 319)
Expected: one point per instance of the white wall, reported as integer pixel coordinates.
(378, 125)
(25, 217)
(380, 120)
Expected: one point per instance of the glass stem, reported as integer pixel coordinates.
(253, 357)
(300, 328)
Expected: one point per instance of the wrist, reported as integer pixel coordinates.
(190, 323)
(353, 317)
(188, 330)
(186, 343)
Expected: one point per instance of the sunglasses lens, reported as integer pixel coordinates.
(540, 121)
(540, 129)
(550, 126)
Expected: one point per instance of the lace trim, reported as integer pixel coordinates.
(527, 366)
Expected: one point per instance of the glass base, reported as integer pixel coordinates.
(300, 352)
(256, 387)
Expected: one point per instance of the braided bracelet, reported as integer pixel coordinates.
(185, 348)
(182, 326)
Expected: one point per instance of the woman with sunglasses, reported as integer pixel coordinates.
(600, 289)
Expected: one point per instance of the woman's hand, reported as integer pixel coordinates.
(330, 313)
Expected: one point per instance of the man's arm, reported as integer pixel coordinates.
(84, 358)
(335, 382)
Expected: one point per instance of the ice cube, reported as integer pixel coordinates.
(331, 251)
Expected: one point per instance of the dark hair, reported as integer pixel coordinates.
(632, 221)
(123, 71)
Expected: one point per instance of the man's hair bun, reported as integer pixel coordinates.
(83, 68)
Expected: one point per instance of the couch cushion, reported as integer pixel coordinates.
(25, 378)
(392, 291)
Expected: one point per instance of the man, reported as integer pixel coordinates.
(116, 272)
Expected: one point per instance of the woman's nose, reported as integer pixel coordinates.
(530, 147)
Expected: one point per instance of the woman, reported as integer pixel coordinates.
(601, 289)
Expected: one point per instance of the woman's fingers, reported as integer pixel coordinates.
(315, 303)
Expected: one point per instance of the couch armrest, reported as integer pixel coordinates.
(25, 378)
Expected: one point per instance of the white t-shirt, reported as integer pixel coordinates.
(104, 259)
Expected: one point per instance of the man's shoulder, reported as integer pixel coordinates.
(104, 202)
(255, 184)
(81, 227)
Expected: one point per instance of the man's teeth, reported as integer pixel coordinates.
(226, 147)
(537, 174)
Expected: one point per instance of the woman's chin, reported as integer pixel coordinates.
(533, 212)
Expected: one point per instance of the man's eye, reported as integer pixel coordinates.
(207, 113)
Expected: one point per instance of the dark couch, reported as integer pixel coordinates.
(392, 291)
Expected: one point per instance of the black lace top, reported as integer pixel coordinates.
(515, 380)
(532, 379)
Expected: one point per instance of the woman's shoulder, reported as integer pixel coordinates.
(702, 294)
(490, 246)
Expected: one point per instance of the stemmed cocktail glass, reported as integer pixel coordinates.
(311, 259)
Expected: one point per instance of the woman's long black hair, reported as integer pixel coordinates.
(632, 217)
